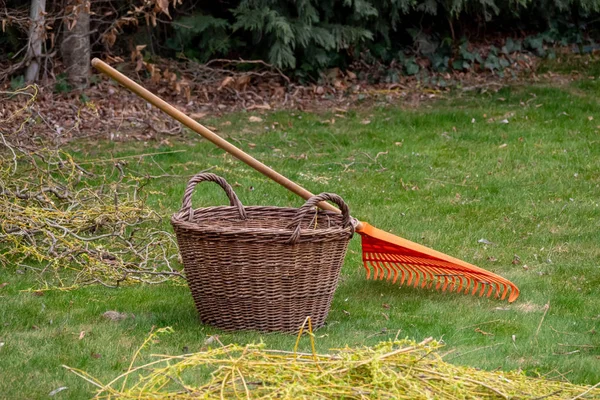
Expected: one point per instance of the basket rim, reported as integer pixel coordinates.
(180, 220)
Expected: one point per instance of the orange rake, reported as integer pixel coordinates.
(385, 256)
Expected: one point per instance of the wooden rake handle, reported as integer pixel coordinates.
(206, 133)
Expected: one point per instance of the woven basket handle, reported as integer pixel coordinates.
(312, 202)
(186, 204)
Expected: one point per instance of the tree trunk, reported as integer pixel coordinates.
(75, 47)
(36, 39)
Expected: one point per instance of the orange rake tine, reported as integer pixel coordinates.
(426, 269)
(432, 274)
(451, 280)
(393, 275)
(421, 270)
(382, 251)
(381, 265)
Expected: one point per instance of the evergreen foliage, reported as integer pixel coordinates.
(203, 36)
(310, 35)
(278, 31)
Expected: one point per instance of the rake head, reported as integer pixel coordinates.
(400, 260)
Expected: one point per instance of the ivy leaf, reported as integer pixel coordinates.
(536, 44)
(512, 46)
(478, 57)
(461, 65)
(492, 63)
(439, 62)
(411, 67)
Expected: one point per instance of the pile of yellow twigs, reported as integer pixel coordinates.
(390, 370)
(71, 226)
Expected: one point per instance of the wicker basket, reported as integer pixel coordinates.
(261, 268)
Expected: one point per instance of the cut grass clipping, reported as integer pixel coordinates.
(398, 369)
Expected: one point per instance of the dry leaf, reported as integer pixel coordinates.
(365, 122)
(278, 92)
(139, 65)
(114, 315)
(198, 115)
(71, 25)
(225, 82)
(483, 332)
(254, 118)
(163, 6)
(300, 157)
(109, 38)
(332, 73)
(264, 106)
(242, 81)
(211, 339)
(3, 285)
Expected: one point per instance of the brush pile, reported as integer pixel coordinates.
(71, 226)
(390, 370)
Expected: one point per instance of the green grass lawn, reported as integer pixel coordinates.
(519, 168)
